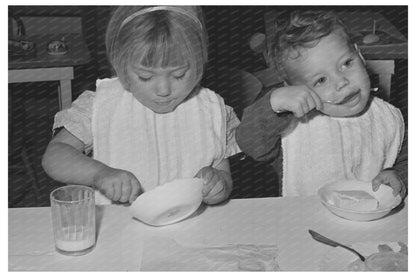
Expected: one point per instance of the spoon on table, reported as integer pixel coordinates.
(333, 243)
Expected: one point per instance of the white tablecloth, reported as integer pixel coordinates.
(280, 221)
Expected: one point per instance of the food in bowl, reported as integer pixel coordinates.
(168, 203)
(355, 200)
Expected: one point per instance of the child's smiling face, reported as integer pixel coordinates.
(335, 72)
(162, 89)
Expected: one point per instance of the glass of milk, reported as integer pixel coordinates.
(73, 219)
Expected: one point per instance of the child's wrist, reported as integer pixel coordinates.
(99, 170)
(275, 102)
(226, 176)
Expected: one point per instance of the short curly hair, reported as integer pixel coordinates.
(303, 29)
(159, 38)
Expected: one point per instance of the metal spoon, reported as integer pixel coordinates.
(333, 243)
(326, 101)
(330, 102)
(339, 103)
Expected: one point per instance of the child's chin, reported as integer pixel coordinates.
(352, 112)
(361, 107)
(164, 110)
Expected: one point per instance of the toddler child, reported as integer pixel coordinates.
(323, 125)
(153, 122)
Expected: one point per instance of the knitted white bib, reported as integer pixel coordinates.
(156, 148)
(324, 149)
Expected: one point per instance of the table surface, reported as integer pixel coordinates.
(279, 221)
(77, 54)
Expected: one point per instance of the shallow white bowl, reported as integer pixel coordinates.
(168, 203)
(384, 196)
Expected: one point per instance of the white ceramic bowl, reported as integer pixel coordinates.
(384, 196)
(168, 203)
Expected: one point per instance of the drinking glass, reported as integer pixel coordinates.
(73, 219)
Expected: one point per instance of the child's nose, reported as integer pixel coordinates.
(342, 82)
(163, 88)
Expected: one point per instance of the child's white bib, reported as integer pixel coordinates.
(324, 149)
(157, 148)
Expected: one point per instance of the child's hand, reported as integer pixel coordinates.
(389, 177)
(299, 100)
(117, 185)
(216, 188)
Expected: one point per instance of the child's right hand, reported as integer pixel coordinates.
(299, 100)
(117, 185)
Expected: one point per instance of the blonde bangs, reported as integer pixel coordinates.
(162, 52)
(158, 40)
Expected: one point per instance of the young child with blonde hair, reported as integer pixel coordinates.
(323, 125)
(153, 123)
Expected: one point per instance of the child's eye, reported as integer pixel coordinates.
(179, 76)
(145, 79)
(320, 81)
(348, 63)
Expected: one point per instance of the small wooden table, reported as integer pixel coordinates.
(45, 67)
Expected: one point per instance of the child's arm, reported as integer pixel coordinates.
(396, 176)
(217, 182)
(259, 133)
(299, 100)
(64, 161)
(401, 165)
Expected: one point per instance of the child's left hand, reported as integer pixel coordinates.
(216, 186)
(389, 177)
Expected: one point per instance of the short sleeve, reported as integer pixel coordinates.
(77, 119)
(232, 123)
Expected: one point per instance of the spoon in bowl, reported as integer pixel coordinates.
(333, 243)
(371, 38)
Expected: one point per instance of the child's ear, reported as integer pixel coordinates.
(359, 53)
